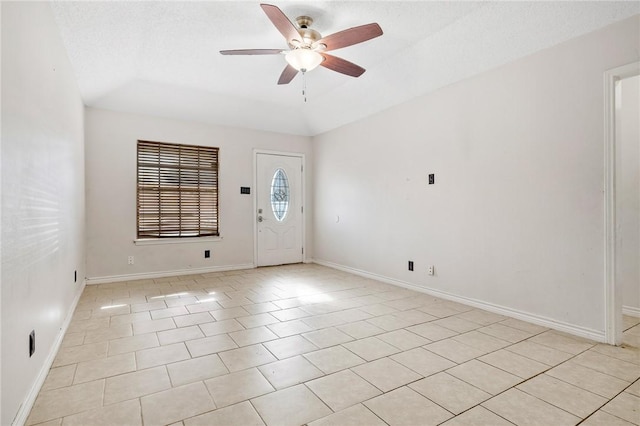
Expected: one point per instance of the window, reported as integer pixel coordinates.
(280, 195)
(177, 192)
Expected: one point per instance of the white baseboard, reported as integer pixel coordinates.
(162, 274)
(502, 310)
(631, 311)
(25, 408)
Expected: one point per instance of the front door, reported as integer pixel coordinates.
(279, 212)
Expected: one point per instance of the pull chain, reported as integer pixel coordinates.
(304, 86)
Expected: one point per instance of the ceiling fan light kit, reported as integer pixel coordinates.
(303, 59)
(307, 46)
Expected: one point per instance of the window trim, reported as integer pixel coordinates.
(179, 240)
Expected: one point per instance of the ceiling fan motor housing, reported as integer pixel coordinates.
(309, 35)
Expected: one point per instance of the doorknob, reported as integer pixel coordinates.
(260, 219)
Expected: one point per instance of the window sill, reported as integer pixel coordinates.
(162, 241)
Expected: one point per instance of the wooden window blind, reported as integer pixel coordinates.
(177, 192)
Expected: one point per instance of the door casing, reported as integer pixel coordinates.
(612, 291)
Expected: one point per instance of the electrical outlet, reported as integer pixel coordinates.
(431, 270)
(130, 260)
(75, 276)
(411, 265)
(432, 179)
(32, 343)
(207, 254)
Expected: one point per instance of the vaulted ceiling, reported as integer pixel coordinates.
(162, 58)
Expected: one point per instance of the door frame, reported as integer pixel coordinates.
(300, 155)
(612, 291)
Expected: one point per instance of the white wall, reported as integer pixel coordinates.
(111, 193)
(628, 192)
(42, 196)
(516, 216)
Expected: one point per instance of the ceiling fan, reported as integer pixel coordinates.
(307, 48)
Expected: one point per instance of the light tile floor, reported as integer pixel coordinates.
(305, 344)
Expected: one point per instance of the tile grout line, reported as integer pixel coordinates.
(608, 401)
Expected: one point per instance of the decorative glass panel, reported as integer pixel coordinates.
(280, 195)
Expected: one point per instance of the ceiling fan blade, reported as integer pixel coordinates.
(287, 75)
(251, 52)
(342, 66)
(351, 36)
(281, 22)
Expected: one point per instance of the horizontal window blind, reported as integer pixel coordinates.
(177, 192)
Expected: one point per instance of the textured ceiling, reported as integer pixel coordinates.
(161, 58)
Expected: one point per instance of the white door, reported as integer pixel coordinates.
(279, 212)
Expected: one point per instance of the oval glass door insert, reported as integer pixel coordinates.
(280, 194)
